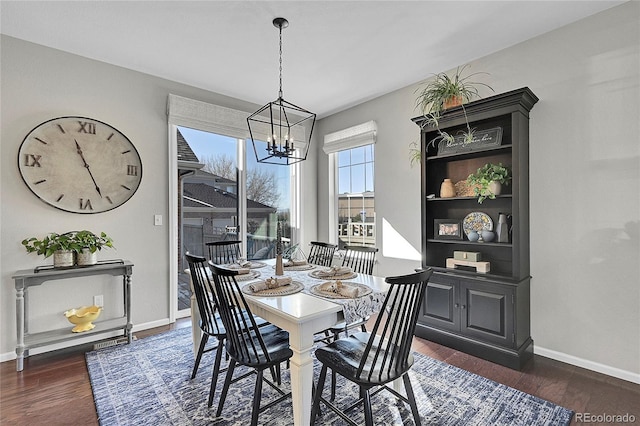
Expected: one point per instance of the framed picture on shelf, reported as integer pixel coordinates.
(447, 229)
(481, 139)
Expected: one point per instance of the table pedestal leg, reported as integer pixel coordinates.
(301, 385)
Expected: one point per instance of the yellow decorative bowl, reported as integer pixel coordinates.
(83, 317)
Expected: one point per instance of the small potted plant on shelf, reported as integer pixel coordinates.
(445, 92)
(70, 248)
(488, 180)
(62, 246)
(89, 244)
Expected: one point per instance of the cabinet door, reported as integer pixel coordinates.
(440, 305)
(487, 311)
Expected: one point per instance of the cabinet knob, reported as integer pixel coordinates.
(457, 305)
(464, 306)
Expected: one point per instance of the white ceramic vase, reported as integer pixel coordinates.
(85, 257)
(63, 258)
(495, 187)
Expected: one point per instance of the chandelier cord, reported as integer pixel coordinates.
(280, 93)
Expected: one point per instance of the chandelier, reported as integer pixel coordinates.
(281, 131)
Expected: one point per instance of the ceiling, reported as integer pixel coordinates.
(336, 54)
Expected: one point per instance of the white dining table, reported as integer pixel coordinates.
(302, 315)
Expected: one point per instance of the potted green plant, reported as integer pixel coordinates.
(444, 92)
(488, 180)
(62, 246)
(89, 244)
(70, 248)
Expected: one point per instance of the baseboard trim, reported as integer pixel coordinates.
(589, 365)
(8, 356)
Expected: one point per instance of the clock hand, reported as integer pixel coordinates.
(86, 165)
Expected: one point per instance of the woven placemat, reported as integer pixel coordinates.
(252, 265)
(284, 290)
(252, 275)
(348, 276)
(306, 267)
(363, 290)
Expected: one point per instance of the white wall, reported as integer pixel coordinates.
(38, 83)
(585, 184)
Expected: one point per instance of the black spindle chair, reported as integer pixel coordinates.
(224, 252)
(375, 359)
(360, 259)
(321, 254)
(211, 323)
(257, 348)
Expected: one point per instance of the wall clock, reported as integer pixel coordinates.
(80, 165)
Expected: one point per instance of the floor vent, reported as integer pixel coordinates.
(112, 342)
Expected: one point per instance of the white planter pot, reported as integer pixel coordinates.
(85, 257)
(63, 258)
(495, 187)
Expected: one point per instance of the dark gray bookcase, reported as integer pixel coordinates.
(484, 314)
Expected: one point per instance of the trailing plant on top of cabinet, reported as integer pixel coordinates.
(482, 309)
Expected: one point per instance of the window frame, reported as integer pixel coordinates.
(351, 137)
(208, 117)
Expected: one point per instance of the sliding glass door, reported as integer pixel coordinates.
(225, 194)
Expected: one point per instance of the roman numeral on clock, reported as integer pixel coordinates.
(86, 127)
(85, 204)
(32, 160)
(132, 170)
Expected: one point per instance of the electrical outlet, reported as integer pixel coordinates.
(157, 220)
(98, 300)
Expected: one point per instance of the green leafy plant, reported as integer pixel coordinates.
(437, 95)
(414, 153)
(434, 97)
(483, 177)
(93, 242)
(51, 243)
(71, 241)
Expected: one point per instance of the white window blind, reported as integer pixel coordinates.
(218, 119)
(352, 137)
(208, 117)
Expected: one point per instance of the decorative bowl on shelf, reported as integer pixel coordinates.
(83, 317)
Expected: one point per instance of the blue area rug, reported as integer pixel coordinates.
(147, 383)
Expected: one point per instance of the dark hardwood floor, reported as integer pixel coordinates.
(54, 387)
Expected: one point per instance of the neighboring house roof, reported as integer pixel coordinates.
(185, 153)
(203, 195)
(207, 175)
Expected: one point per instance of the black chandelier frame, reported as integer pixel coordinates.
(281, 121)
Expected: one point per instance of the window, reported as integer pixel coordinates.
(356, 202)
(244, 202)
(351, 153)
(212, 194)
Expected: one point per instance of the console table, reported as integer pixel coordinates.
(35, 277)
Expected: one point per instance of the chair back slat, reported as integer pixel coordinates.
(360, 259)
(244, 341)
(321, 254)
(389, 345)
(224, 252)
(203, 290)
